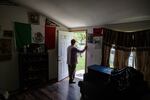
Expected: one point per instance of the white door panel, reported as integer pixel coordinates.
(64, 39)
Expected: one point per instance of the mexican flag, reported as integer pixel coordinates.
(22, 34)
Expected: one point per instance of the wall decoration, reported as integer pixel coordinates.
(98, 42)
(51, 23)
(8, 33)
(38, 37)
(96, 39)
(5, 49)
(22, 34)
(33, 18)
(90, 38)
(50, 34)
(98, 31)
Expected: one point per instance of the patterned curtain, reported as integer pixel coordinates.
(106, 54)
(118, 59)
(126, 54)
(142, 44)
(147, 66)
(123, 42)
(143, 63)
(121, 58)
(106, 47)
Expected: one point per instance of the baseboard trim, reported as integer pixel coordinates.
(52, 81)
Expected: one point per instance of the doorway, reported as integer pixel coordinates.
(64, 39)
(80, 37)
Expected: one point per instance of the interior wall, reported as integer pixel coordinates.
(9, 72)
(94, 55)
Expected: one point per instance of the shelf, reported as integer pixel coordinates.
(33, 69)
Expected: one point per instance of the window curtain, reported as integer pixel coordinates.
(105, 55)
(121, 58)
(106, 47)
(143, 63)
(125, 42)
(118, 61)
(118, 39)
(142, 44)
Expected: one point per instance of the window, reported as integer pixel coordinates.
(131, 59)
(112, 56)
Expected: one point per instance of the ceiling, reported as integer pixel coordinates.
(83, 13)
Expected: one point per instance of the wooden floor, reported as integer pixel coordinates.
(59, 91)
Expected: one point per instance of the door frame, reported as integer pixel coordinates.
(86, 69)
(85, 30)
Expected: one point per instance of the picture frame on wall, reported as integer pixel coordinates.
(5, 49)
(8, 33)
(33, 18)
(90, 38)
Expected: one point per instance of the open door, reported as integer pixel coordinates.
(64, 39)
(80, 37)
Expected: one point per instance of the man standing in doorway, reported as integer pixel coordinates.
(72, 59)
